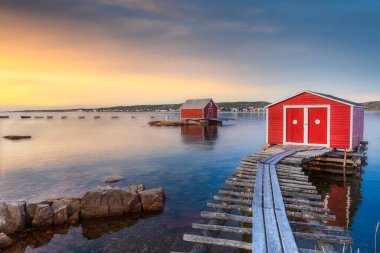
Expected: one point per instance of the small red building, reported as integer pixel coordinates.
(199, 109)
(311, 118)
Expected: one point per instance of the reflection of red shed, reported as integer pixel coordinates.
(199, 109)
(339, 202)
(199, 133)
(316, 119)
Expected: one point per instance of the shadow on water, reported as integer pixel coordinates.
(87, 230)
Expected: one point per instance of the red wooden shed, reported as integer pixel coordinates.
(311, 118)
(199, 109)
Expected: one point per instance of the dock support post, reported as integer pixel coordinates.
(344, 164)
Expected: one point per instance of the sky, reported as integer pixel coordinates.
(90, 53)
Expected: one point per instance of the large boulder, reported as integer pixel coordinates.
(152, 200)
(107, 201)
(65, 210)
(5, 241)
(12, 216)
(31, 208)
(43, 215)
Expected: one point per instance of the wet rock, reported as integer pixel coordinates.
(65, 208)
(107, 201)
(5, 241)
(30, 209)
(137, 208)
(73, 219)
(152, 200)
(137, 187)
(12, 216)
(60, 213)
(43, 215)
(112, 180)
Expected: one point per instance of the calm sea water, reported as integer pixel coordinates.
(66, 157)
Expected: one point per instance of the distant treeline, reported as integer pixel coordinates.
(372, 106)
(224, 106)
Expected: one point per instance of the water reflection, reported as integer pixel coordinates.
(87, 230)
(342, 197)
(202, 136)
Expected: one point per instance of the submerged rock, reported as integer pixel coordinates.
(12, 216)
(5, 241)
(17, 137)
(112, 180)
(152, 200)
(107, 201)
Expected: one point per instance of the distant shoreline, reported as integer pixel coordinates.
(223, 106)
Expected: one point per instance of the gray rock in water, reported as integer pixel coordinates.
(5, 241)
(152, 200)
(107, 201)
(12, 216)
(112, 180)
(43, 215)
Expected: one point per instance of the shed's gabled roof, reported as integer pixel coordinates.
(340, 100)
(196, 103)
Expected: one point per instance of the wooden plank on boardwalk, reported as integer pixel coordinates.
(224, 216)
(304, 225)
(238, 230)
(271, 231)
(258, 228)
(278, 201)
(230, 207)
(268, 197)
(324, 238)
(217, 241)
(237, 194)
(258, 193)
(287, 238)
(286, 234)
(232, 200)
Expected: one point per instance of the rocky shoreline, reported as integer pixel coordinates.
(99, 202)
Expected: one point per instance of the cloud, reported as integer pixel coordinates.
(155, 8)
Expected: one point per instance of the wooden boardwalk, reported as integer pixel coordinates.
(272, 206)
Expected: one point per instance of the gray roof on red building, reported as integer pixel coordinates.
(196, 103)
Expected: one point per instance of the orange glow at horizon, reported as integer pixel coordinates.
(43, 68)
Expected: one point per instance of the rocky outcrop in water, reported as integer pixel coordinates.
(99, 202)
(107, 201)
(152, 200)
(12, 216)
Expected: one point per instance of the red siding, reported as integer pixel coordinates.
(214, 111)
(192, 113)
(357, 126)
(200, 113)
(339, 119)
